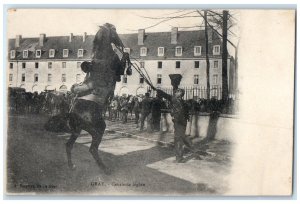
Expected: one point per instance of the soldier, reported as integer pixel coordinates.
(114, 108)
(146, 109)
(124, 109)
(136, 110)
(179, 112)
(157, 104)
(104, 65)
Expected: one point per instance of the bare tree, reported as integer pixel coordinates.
(206, 55)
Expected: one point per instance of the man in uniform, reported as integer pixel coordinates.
(146, 109)
(156, 107)
(105, 68)
(179, 112)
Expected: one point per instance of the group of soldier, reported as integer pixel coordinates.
(138, 107)
(48, 102)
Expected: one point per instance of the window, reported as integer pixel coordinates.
(197, 64)
(160, 51)
(142, 80)
(64, 64)
(142, 64)
(11, 65)
(214, 91)
(215, 79)
(25, 54)
(51, 52)
(178, 51)
(197, 50)
(196, 79)
(12, 54)
(36, 65)
(124, 79)
(143, 51)
(216, 64)
(36, 78)
(49, 77)
(23, 65)
(127, 50)
(177, 64)
(159, 64)
(63, 78)
(78, 78)
(80, 53)
(38, 53)
(216, 50)
(10, 77)
(78, 64)
(65, 52)
(49, 65)
(159, 79)
(23, 77)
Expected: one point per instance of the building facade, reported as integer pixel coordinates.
(53, 63)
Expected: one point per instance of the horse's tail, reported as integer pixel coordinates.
(58, 123)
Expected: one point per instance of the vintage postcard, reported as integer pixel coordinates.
(155, 102)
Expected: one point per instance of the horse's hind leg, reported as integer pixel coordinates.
(96, 139)
(69, 147)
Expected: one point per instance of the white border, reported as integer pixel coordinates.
(112, 4)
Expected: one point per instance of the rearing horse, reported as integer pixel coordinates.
(103, 73)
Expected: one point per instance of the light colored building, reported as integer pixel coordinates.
(48, 63)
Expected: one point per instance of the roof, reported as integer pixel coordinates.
(186, 39)
(58, 43)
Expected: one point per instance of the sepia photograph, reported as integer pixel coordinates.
(149, 102)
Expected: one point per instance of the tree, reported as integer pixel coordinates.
(207, 56)
(224, 58)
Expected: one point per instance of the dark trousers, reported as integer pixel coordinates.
(156, 121)
(113, 114)
(143, 117)
(124, 116)
(137, 116)
(180, 139)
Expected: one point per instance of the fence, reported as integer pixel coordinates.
(193, 92)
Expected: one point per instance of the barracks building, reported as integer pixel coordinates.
(53, 63)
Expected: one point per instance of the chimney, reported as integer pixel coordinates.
(174, 34)
(42, 39)
(141, 36)
(18, 40)
(84, 37)
(70, 37)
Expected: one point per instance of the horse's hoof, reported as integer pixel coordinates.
(72, 166)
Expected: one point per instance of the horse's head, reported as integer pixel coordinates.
(108, 34)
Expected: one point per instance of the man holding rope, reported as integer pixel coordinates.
(179, 112)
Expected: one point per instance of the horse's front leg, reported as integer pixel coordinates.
(69, 147)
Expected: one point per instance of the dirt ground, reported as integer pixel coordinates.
(36, 164)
